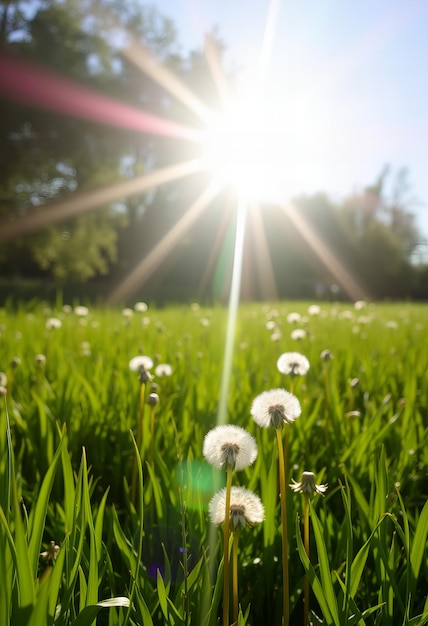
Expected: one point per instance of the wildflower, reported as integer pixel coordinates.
(140, 362)
(298, 333)
(229, 447)
(275, 408)
(51, 553)
(140, 307)
(293, 363)
(307, 485)
(246, 509)
(53, 322)
(163, 369)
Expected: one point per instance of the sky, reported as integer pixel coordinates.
(353, 75)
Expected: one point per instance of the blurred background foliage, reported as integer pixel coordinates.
(47, 156)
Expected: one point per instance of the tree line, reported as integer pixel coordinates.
(50, 156)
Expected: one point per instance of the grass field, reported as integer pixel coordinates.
(133, 530)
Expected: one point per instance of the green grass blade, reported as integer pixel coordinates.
(316, 585)
(87, 616)
(38, 514)
(324, 566)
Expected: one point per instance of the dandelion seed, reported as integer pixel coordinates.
(314, 309)
(127, 312)
(293, 363)
(275, 408)
(229, 447)
(298, 334)
(140, 307)
(15, 362)
(40, 359)
(307, 485)
(246, 509)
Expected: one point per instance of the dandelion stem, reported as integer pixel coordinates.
(226, 550)
(152, 434)
(235, 575)
(282, 484)
(139, 440)
(306, 544)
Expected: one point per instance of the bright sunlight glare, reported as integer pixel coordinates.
(243, 148)
(267, 144)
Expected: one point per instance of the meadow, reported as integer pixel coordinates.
(104, 488)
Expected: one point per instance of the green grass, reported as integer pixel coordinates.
(67, 444)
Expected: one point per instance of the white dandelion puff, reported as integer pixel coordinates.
(275, 408)
(229, 447)
(246, 509)
(293, 363)
(140, 362)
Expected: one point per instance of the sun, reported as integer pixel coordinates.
(244, 146)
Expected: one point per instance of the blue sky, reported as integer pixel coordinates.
(356, 73)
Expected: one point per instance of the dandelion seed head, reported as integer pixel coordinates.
(153, 399)
(140, 362)
(308, 486)
(246, 509)
(294, 318)
(298, 334)
(229, 447)
(163, 369)
(140, 307)
(293, 363)
(53, 322)
(81, 310)
(275, 408)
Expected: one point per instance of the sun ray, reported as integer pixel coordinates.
(262, 260)
(149, 264)
(39, 87)
(143, 59)
(215, 251)
(217, 73)
(269, 33)
(82, 202)
(344, 279)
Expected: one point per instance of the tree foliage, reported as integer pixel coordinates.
(47, 156)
